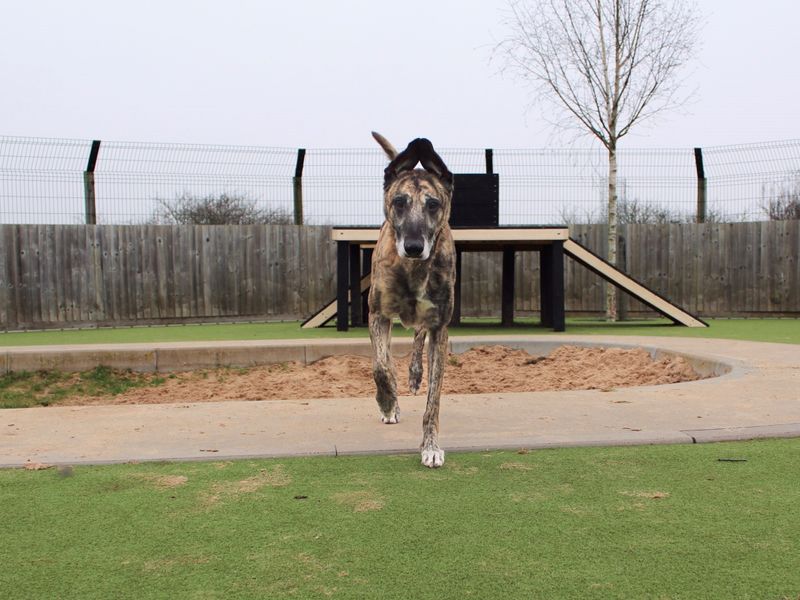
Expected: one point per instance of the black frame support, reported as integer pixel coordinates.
(342, 281)
(352, 305)
(551, 267)
(355, 286)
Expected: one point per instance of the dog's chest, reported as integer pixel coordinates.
(406, 295)
(421, 310)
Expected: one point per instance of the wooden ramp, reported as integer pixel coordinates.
(626, 283)
(328, 312)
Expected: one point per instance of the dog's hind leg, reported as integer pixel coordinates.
(432, 454)
(380, 333)
(415, 367)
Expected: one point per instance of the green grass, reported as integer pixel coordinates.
(771, 330)
(25, 389)
(643, 522)
(632, 522)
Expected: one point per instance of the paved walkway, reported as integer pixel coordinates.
(758, 397)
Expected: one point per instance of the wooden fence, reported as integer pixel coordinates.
(69, 275)
(56, 275)
(709, 269)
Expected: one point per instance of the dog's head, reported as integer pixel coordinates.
(416, 201)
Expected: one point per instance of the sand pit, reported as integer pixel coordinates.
(483, 369)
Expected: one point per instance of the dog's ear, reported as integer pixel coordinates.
(432, 162)
(386, 145)
(405, 161)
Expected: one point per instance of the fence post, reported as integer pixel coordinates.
(489, 161)
(297, 182)
(90, 204)
(701, 185)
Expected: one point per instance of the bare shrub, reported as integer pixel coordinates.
(782, 202)
(222, 209)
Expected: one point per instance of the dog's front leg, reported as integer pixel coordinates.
(432, 454)
(415, 366)
(380, 334)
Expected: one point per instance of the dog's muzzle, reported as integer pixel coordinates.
(414, 248)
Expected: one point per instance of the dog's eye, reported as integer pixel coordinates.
(432, 204)
(399, 202)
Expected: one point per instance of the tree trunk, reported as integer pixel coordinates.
(611, 290)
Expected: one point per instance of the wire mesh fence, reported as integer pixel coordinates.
(52, 181)
(136, 183)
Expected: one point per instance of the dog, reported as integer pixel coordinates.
(413, 278)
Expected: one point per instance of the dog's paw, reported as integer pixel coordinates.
(392, 418)
(414, 382)
(414, 377)
(433, 457)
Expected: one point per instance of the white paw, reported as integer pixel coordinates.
(392, 419)
(433, 457)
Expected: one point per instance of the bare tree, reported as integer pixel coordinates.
(606, 65)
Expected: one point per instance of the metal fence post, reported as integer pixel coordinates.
(297, 182)
(489, 161)
(701, 185)
(90, 204)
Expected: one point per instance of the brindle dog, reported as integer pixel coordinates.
(413, 277)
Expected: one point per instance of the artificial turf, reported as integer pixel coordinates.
(767, 330)
(632, 522)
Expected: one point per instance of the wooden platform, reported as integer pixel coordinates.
(551, 242)
(504, 235)
(547, 240)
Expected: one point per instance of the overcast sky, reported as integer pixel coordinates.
(319, 73)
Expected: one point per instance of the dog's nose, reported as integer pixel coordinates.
(413, 247)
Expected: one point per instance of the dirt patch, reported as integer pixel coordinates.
(231, 490)
(362, 501)
(515, 466)
(484, 369)
(649, 495)
(164, 481)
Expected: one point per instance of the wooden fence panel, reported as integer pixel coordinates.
(66, 275)
(585, 291)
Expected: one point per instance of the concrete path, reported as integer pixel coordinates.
(758, 397)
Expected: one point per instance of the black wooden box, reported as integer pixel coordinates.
(475, 200)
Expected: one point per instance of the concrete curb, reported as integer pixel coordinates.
(180, 356)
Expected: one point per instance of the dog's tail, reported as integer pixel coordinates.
(386, 145)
